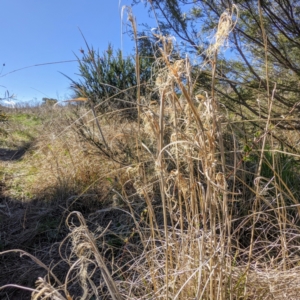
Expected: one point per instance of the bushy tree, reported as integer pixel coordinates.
(109, 82)
(49, 101)
(109, 79)
(272, 27)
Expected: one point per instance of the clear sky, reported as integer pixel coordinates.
(44, 31)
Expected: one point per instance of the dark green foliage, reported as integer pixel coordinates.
(106, 79)
(109, 82)
(110, 79)
(241, 73)
(284, 169)
(49, 101)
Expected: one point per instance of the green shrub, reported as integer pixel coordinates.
(108, 80)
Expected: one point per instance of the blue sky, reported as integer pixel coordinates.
(43, 31)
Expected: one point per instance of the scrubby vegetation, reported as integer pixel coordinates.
(183, 198)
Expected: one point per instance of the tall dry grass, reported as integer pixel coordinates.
(192, 213)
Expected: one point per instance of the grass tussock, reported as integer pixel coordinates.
(173, 205)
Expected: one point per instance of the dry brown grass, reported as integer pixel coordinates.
(171, 206)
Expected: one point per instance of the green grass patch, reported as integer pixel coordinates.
(26, 119)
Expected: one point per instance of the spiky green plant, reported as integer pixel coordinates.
(109, 79)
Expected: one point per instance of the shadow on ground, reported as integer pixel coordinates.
(34, 228)
(10, 155)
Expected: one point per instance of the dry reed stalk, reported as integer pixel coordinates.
(85, 249)
(165, 88)
(256, 205)
(137, 60)
(47, 291)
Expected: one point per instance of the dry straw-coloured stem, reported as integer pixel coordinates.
(47, 291)
(256, 205)
(84, 246)
(132, 21)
